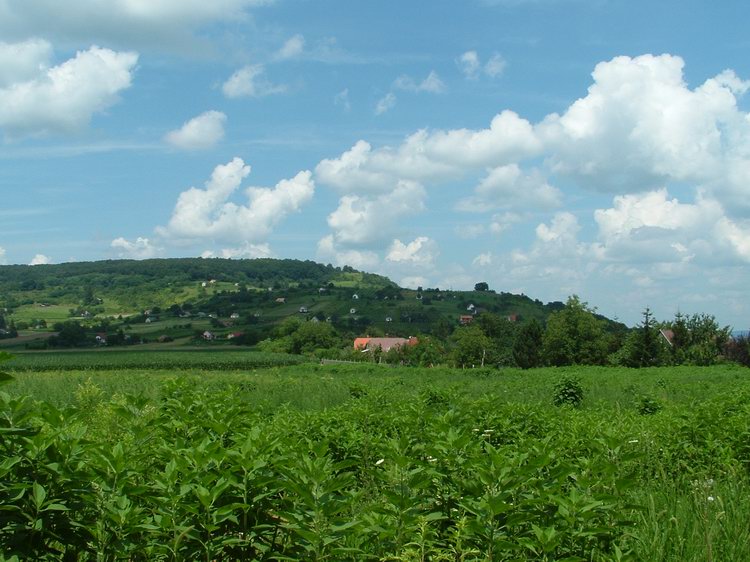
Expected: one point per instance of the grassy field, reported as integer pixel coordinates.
(355, 462)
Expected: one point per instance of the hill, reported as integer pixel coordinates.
(178, 298)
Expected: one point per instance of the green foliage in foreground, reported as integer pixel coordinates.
(410, 465)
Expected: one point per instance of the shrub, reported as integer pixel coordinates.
(568, 390)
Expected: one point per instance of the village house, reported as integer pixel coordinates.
(385, 344)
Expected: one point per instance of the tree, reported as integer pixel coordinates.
(311, 336)
(473, 347)
(643, 348)
(574, 336)
(502, 334)
(527, 349)
(481, 286)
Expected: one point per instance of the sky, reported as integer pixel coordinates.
(547, 147)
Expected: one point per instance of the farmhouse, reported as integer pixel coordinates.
(465, 319)
(668, 336)
(385, 344)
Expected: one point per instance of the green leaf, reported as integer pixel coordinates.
(39, 494)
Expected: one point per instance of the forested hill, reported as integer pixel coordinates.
(263, 292)
(132, 273)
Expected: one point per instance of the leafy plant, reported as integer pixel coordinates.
(568, 390)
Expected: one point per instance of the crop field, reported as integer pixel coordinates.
(363, 462)
(107, 360)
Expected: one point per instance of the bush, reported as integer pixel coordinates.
(648, 406)
(568, 390)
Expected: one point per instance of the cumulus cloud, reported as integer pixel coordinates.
(431, 156)
(362, 220)
(40, 259)
(250, 81)
(385, 104)
(329, 251)
(63, 98)
(650, 227)
(200, 132)
(292, 48)
(640, 126)
(3, 261)
(209, 214)
(471, 65)
(431, 84)
(24, 61)
(507, 187)
(139, 249)
(147, 23)
(421, 252)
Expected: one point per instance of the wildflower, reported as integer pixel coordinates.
(379, 462)
(711, 498)
(431, 459)
(633, 441)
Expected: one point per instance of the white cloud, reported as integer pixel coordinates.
(431, 156)
(342, 99)
(40, 259)
(292, 48)
(209, 214)
(20, 62)
(469, 64)
(385, 104)
(495, 66)
(200, 132)
(431, 84)
(421, 252)
(652, 228)
(482, 260)
(562, 229)
(250, 81)
(328, 250)
(148, 23)
(3, 261)
(363, 220)
(502, 222)
(139, 249)
(640, 126)
(64, 98)
(507, 187)
(247, 251)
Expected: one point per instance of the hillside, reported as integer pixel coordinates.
(181, 297)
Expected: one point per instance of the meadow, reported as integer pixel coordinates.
(357, 462)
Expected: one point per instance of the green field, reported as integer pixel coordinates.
(356, 462)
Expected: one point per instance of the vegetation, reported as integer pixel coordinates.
(353, 462)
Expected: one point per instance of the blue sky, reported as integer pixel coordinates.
(548, 147)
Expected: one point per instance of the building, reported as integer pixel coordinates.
(465, 319)
(385, 344)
